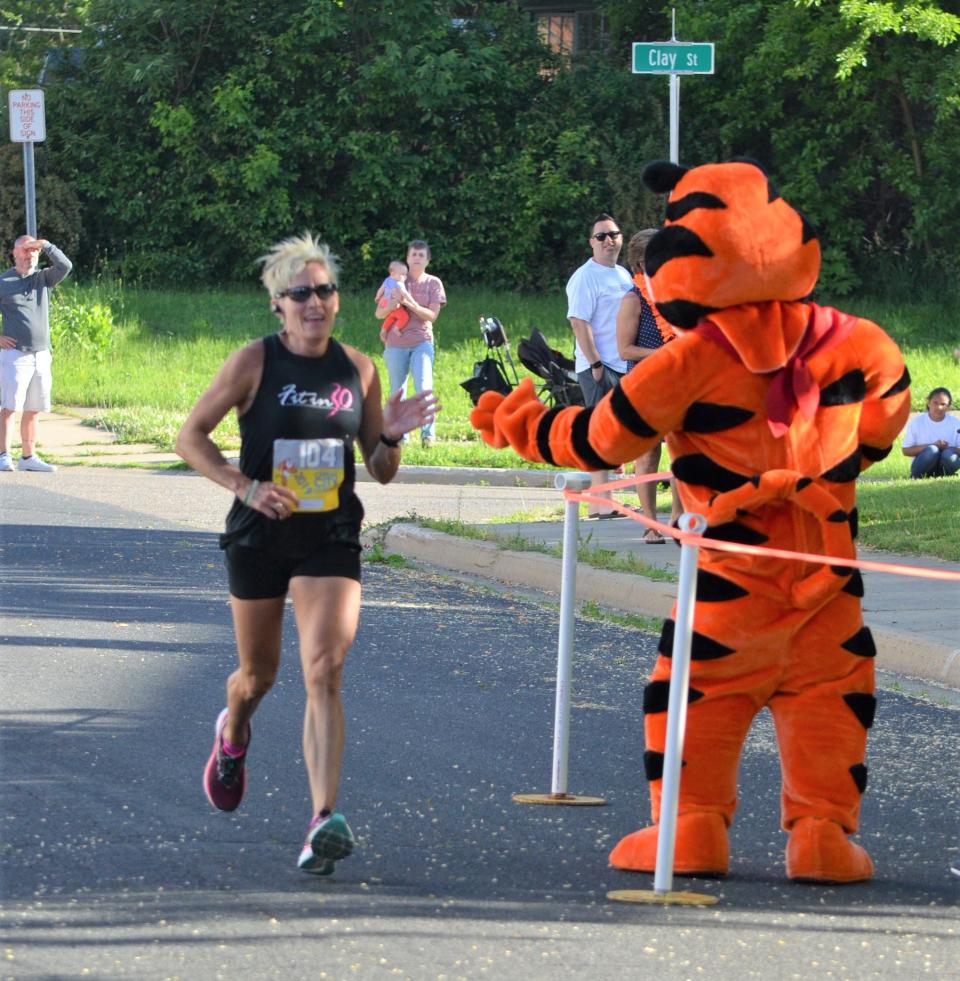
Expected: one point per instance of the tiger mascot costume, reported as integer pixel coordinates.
(771, 407)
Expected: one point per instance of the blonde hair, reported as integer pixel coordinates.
(637, 247)
(289, 257)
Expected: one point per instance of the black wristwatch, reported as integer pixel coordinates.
(596, 364)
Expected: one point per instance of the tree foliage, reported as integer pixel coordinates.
(853, 108)
(223, 124)
(59, 217)
(196, 132)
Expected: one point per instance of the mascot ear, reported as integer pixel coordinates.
(750, 160)
(663, 176)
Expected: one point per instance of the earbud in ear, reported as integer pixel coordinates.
(275, 307)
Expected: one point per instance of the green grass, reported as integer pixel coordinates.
(168, 345)
(914, 517)
(600, 558)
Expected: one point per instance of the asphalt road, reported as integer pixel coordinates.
(116, 641)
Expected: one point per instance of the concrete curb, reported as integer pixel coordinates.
(916, 657)
(897, 651)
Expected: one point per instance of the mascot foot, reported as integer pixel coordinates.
(702, 847)
(820, 851)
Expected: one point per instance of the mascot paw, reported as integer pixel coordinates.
(702, 847)
(481, 418)
(820, 851)
(509, 421)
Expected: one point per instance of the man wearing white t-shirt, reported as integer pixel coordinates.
(932, 438)
(594, 292)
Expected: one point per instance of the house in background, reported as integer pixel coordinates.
(570, 28)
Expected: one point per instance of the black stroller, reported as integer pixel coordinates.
(560, 385)
(491, 374)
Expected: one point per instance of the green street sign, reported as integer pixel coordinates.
(672, 58)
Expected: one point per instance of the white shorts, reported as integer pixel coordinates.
(26, 380)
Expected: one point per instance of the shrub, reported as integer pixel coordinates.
(78, 323)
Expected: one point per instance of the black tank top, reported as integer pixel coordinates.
(299, 398)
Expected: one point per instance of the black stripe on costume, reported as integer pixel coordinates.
(859, 773)
(712, 588)
(875, 453)
(900, 385)
(698, 468)
(846, 390)
(838, 516)
(665, 644)
(690, 202)
(854, 585)
(861, 643)
(628, 417)
(543, 434)
(734, 531)
(702, 647)
(580, 441)
(854, 523)
(656, 697)
(809, 232)
(845, 471)
(711, 417)
(804, 482)
(653, 765)
(673, 242)
(684, 313)
(863, 706)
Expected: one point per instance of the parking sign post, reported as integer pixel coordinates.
(28, 126)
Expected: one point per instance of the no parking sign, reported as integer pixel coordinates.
(27, 120)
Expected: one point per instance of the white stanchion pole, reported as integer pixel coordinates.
(677, 706)
(573, 481)
(568, 594)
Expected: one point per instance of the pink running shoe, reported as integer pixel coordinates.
(225, 777)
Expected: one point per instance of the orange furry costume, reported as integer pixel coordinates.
(771, 407)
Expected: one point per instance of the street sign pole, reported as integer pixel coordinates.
(674, 98)
(28, 126)
(673, 58)
(674, 118)
(29, 189)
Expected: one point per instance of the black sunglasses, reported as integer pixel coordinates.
(601, 236)
(300, 294)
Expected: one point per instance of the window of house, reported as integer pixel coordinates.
(573, 32)
(558, 32)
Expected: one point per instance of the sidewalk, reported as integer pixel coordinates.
(913, 620)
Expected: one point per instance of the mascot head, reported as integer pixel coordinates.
(728, 239)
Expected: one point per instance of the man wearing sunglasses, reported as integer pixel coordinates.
(594, 292)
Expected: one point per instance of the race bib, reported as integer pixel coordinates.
(312, 469)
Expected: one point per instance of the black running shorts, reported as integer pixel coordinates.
(255, 573)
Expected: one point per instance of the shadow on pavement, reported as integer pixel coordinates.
(118, 642)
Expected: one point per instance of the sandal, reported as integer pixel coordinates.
(602, 517)
(653, 537)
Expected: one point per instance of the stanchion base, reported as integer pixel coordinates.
(662, 898)
(570, 800)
